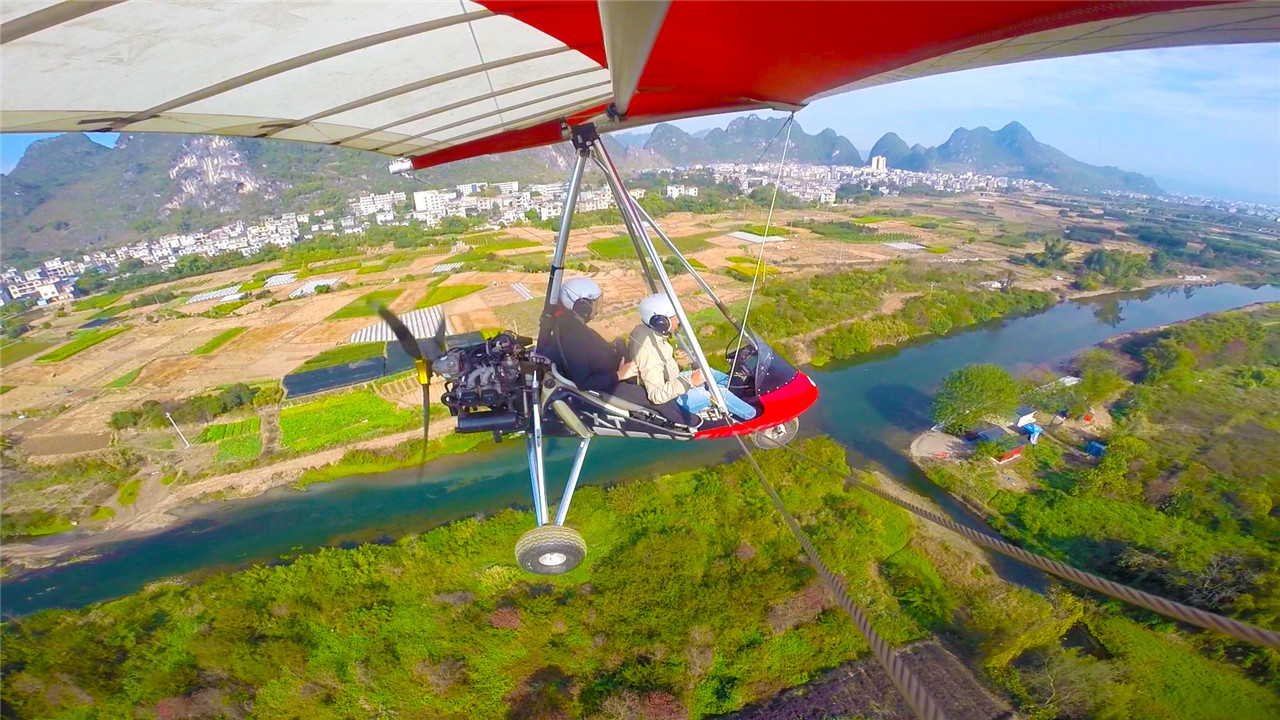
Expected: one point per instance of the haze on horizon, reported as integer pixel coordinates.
(1201, 120)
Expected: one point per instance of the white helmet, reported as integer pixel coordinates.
(580, 294)
(656, 311)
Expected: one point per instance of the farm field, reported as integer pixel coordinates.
(11, 351)
(96, 302)
(366, 305)
(344, 354)
(441, 294)
(226, 431)
(86, 340)
(218, 341)
(342, 418)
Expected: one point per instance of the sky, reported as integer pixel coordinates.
(1200, 120)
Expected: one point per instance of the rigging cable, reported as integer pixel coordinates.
(922, 704)
(782, 163)
(1169, 608)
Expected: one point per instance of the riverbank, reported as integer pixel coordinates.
(154, 512)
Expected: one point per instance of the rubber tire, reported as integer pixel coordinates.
(775, 437)
(550, 539)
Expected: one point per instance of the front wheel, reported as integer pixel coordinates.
(775, 437)
(550, 550)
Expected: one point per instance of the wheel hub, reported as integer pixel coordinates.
(552, 558)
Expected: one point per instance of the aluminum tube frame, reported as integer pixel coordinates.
(563, 508)
(615, 187)
(627, 205)
(644, 215)
(537, 478)
(562, 237)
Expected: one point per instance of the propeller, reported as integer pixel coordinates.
(422, 361)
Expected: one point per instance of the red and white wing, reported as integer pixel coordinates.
(442, 81)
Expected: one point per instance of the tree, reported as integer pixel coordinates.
(973, 393)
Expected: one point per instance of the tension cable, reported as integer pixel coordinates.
(922, 704)
(1155, 603)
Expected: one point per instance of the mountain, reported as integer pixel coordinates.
(745, 139)
(70, 193)
(892, 148)
(1013, 151)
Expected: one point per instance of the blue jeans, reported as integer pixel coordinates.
(698, 399)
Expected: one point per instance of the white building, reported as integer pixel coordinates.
(370, 204)
(508, 188)
(432, 202)
(675, 191)
(880, 164)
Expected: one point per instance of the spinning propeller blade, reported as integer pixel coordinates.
(423, 364)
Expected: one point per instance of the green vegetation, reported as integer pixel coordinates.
(441, 294)
(312, 270)
(155, 298)
(6, 388)
(620, 247)
(1179, 504)
(225, 309)
(85, 339)
(774, 230)
(238, 450)
(218, 341)
(342, 418)
(975, 393)
(129, 492)
(124, 380)
(197, 408)
(226, 431)
(937, 312)
(405, 455)
(102, 514)
(484, 248)
(344, 355)
(366, 304)
(11, 351)
(46, 499)
(97, 302)
(846, 231)
(109, 312)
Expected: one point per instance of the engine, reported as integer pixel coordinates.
(484, 381)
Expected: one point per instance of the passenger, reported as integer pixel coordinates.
(578, 352)
(660, 374)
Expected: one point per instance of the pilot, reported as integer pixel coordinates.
(659, 373)
(578, 352)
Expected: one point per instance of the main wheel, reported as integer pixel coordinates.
(775, 437)
(550, 550)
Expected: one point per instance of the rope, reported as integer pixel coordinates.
(1169, 608)
(782, 163)
(922, 704)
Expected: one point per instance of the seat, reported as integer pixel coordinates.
(613, 401)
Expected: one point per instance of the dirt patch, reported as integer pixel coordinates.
(65, 444)
(937, 445)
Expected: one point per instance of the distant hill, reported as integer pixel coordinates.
(745, 139)
(1011, 151)
(69, 193)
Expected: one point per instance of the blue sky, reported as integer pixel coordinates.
(1203, 120)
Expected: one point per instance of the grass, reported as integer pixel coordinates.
(225, 309)
(226, 431)
(6, 388)
(13, 351)
(108, 312)
(441, 294)
(365, 305)
(84, 341)
(129, 492)
(843, 231)
(96, 302)
(481, 248)
(620, 247)
(343, 355)
(238, 450)
(124, 380)
(218, 341)
(746, 272)
(369, 269)
(102, 513)
(406, 455)
(253, 285)
(342, 418)
(774, 230)
(313, 270)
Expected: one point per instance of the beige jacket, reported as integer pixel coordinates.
(656, 365)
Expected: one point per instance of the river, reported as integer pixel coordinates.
(873, 405)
